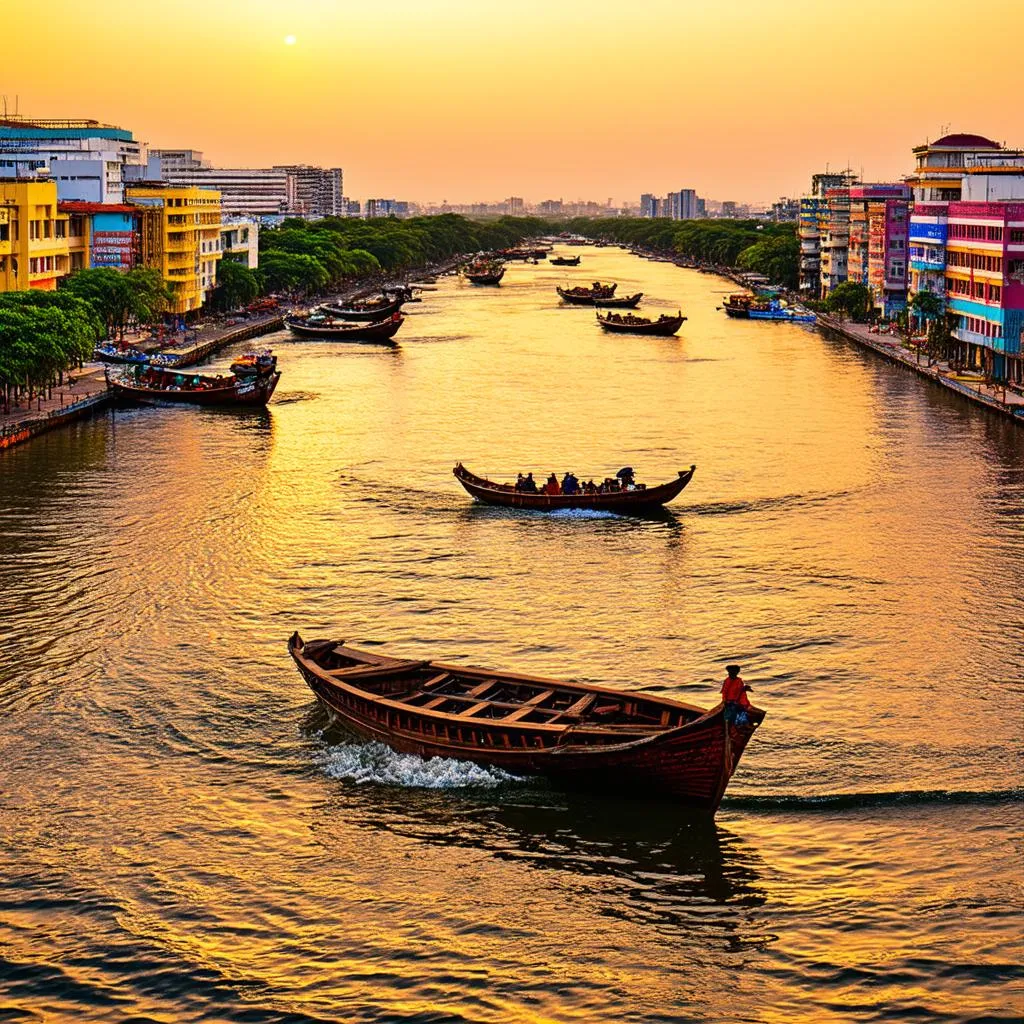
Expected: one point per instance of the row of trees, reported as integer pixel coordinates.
(755, 246)
(42, 334)
(310, 257)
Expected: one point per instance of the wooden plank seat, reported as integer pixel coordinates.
(578, 709)
(363, 672)
(530, 705)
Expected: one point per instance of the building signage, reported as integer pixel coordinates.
(112, 248)
(927, 232)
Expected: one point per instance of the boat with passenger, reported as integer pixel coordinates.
(628, 323)
(108, 353)
(317, 325)
(765, 307)
(160, 386)
(565, 261)
(619, 493)
(598, 294)
(577, 735)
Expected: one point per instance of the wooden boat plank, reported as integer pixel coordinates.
(531, 705)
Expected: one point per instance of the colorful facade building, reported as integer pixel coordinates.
(936, 182)
(984, 281)
(181, 238)
(835, 239)
(877, 248)
(812, 225)
(35, 250)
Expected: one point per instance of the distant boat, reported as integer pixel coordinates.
(756, 307)
(578, 735)
(637, 499)
(665, 325)
(602, 296)
(565, 261)
(334, 330)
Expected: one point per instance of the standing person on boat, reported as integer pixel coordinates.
(734, 696)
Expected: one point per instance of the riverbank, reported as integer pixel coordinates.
(891, 347)
(88, 393)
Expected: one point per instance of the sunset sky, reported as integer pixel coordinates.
(467, 100)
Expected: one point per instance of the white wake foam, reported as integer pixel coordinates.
(377, 763)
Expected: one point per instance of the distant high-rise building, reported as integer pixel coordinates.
(387, 208)
(550, 208)
(813, 225)
(681, 205)
(514, 206)
(728, 208)
(314, 191)
(648, 205)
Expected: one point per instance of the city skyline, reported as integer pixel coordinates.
(461, 105)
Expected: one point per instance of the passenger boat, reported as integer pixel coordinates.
(602, 296)
(630, 324)
(577, 735)
(156, 385)
(565, 261)
(638, 499)
(374, 310)
(252, 364)
(485, 272)
(336, 330)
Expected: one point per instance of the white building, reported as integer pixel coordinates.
(240, 240)
(87, 159)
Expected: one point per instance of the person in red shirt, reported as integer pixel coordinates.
(734, 696)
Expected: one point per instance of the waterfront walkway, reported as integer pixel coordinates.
(969, 385)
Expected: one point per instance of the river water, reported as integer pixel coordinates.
(181, 839)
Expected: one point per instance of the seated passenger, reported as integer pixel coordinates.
(569, 484)
(520, 482)
(552, 487)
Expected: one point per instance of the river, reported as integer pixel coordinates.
(181, 839)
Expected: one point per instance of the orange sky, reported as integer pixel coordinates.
(473, 100)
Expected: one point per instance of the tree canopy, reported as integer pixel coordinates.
(851, 298)
(42, 334)
(119, 297)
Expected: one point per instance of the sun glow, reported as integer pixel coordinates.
(289, 40)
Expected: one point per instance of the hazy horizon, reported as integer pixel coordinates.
(455, 101)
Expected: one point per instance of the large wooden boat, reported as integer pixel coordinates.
(598, 297)
(565, 261)
(579, 736)
(372, 310)
(630, 324)
(337, 330)
(638, 499)
(156, 385)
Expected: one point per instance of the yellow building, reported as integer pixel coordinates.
(34, 247)
(181, 238)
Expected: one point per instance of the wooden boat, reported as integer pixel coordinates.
(640, 499)
(487, 272)
(335, 330)
(131, 356)
(590, 297)
(156, 385)
(580, 736)
(565, 261)
(629, 324)
(375, 311)
(762, 307)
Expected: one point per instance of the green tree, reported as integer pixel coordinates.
(851, 299)
(237, 285)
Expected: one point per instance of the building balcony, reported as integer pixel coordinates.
(923, 265)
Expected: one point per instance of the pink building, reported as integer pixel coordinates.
(877, 256)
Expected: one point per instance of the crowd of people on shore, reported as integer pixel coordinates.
(570, 484)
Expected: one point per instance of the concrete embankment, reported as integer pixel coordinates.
(969, 386)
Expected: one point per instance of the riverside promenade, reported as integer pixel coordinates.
(85, 392)
(970, 386)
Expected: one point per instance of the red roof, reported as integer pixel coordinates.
(967, 142)
(76, 206)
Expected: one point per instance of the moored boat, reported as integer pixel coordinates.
(598, 295)
(565, 261)
(629, 324)
(338, 330)
(375, 310)
(635, 498)
(113, 354)
(485, 272)
(157, 385)
(761, 307)
(579, 736)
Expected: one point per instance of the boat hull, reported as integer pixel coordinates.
(609, 302)
(248, 393)
(370, 315)
(662, 328)
(507, 496)
(382, 331)
(691, 764)
(486, 278)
